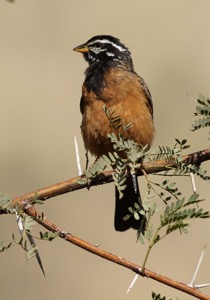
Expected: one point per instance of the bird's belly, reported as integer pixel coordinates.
(96, 125)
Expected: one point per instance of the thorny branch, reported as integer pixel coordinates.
(31, 211)
(72, 184)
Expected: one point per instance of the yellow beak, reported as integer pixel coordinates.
(82, 48)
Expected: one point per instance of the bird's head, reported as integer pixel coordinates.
(105, 48)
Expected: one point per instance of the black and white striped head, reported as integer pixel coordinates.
(105, 48)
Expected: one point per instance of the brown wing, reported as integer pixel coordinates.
(147, 94)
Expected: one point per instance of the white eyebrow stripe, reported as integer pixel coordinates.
(108, 42)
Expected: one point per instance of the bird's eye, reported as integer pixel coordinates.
(98, 45)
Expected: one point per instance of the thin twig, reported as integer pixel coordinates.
(31, 211)
(26, 201)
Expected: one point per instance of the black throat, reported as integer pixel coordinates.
(94, 80)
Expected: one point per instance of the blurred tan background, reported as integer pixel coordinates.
(40, 90)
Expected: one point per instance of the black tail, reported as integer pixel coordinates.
(130, 195)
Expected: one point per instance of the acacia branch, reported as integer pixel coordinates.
(72, 184)
(26, 203)
(31, 211)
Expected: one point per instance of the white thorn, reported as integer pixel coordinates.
(193, 182)
(197, 267)
(132, 283)
(79, 169)
(19, 223)
(200, 286)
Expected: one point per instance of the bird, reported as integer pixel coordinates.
(111, 81)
